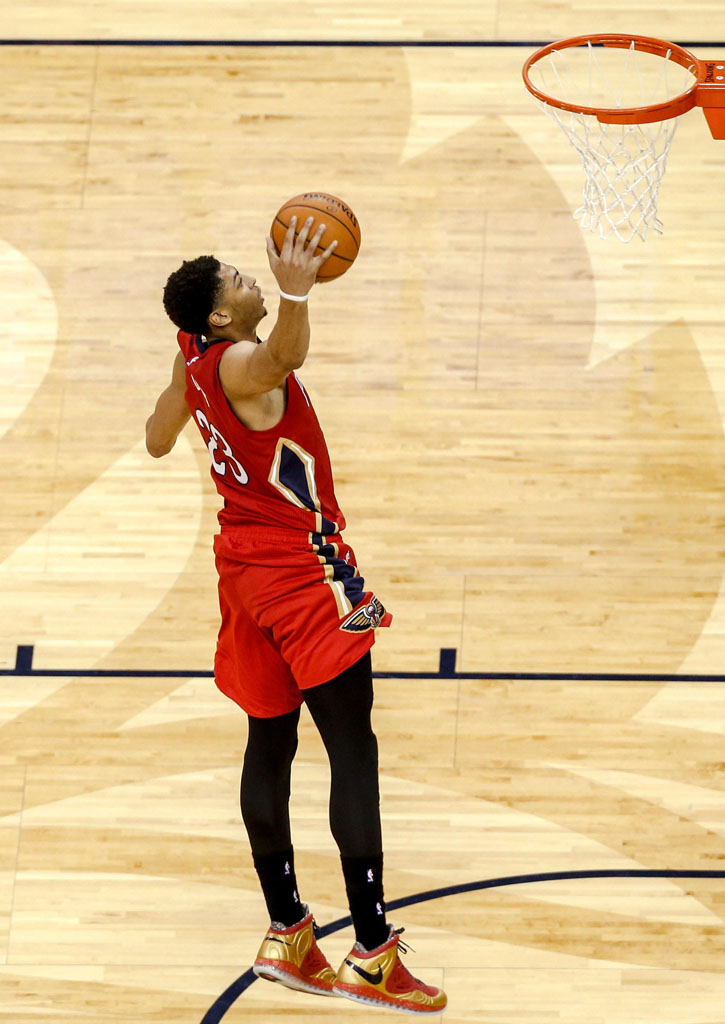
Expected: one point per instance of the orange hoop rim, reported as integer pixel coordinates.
(674, 107)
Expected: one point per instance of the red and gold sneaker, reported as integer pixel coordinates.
(378, 978)
(292, 957)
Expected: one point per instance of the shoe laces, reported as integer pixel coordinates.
(404, 947)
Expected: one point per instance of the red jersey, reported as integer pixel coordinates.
(276, 477)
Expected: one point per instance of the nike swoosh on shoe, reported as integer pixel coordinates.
(372, 979)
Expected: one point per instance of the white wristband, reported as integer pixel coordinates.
(294, 298)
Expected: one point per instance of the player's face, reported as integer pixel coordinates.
(242, 297)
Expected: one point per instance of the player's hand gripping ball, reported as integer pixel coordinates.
(341, 226)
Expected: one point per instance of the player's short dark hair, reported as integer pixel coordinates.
(191, 292)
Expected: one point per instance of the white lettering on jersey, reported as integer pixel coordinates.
(225, 453)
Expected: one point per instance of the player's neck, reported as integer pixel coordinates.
(235, 333)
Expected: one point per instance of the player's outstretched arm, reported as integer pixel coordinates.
(246, 369)
(170, 415)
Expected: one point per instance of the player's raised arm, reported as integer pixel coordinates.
(247, 370)
(170, 415)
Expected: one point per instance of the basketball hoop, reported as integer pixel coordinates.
(618, 99)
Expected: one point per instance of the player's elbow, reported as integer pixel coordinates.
(156, 451)
(157, 446)
(293, 359)
(282, 363)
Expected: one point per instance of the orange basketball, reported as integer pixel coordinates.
(340, 223)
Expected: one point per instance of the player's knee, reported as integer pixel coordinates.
(355, 751)
(270, 748)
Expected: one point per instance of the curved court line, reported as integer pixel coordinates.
(217, 1010)
(30, 332)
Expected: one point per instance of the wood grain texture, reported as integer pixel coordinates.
(526, 426)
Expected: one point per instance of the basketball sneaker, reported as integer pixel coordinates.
(292, 957)
(377, 977)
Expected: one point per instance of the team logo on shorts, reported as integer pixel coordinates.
(368, 617)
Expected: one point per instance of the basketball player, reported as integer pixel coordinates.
(297, 623)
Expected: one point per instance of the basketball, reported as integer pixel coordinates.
(340, 222)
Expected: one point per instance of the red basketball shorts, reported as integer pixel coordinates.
(295, 613)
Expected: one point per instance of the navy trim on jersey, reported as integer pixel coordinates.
(201, 344)
(293, 475)
(353, 583)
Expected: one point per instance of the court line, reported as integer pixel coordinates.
(217, 1010)
(446, 670)
(352, 43)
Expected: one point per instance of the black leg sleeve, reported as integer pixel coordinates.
(341, 711)
(265, 790)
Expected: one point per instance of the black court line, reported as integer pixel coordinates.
(351, 43)
(446, 670)
(217, 1010)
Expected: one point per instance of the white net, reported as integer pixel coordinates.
(623, 163)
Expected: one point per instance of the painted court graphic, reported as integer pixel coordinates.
(526, 427)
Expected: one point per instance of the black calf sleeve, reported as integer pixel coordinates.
(341, 711)
(265, 789)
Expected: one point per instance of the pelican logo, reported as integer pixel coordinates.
(368, 617)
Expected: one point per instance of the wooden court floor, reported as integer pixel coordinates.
(526, 425)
